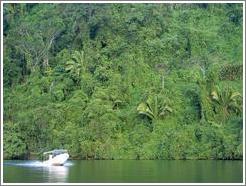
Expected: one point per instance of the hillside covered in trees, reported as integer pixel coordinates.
(123, 81)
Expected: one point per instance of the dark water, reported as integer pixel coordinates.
(132, 171)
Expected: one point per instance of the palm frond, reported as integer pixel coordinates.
(145, 110)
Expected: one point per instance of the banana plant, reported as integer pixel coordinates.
(145, 109)
(76, 65)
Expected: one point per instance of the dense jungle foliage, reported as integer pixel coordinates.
(123, 81)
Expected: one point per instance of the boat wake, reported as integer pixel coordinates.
(34, 164)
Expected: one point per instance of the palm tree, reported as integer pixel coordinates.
(226, 101)
(153, 109)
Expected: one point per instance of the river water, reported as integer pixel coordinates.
(125, 171)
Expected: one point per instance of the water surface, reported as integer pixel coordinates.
(125, 171)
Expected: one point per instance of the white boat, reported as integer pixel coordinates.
(56, 157)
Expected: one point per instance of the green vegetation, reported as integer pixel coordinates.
(124, 81)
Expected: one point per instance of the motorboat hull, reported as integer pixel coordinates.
(58, 160)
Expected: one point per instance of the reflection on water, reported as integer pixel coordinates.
(56, 173)
(40, 170)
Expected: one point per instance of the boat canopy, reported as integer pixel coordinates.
(56, 152)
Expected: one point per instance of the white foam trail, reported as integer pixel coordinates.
(68, 164)
(36, 164)
(31, 164)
